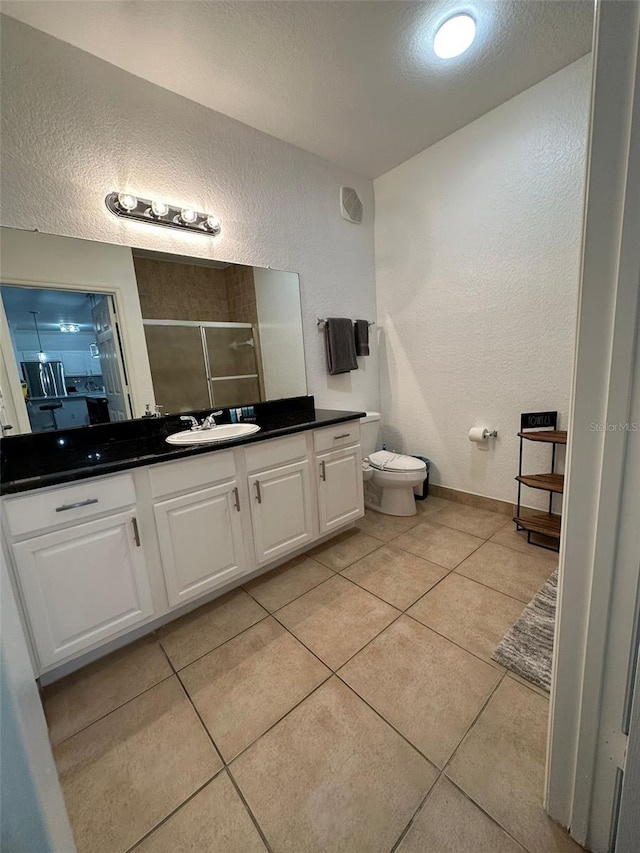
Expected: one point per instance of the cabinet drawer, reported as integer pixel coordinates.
(188, 474)
(267, 454)
(80, 501)
(339, 435)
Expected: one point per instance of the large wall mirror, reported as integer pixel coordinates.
(95, 333)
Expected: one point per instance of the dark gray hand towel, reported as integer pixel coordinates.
(340, 345)
(361, 332)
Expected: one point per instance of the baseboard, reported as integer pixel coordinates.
(477, 501)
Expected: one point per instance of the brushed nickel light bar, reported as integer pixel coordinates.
(156, 212)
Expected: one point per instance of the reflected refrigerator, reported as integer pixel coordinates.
(44, 378)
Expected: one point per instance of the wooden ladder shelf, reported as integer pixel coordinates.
(541, 524)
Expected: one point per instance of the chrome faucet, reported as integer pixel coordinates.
(192, 420)
(210, 420)
(208, 423)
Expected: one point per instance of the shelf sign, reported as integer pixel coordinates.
(538, 420)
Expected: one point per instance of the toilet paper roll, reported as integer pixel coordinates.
(478, 435)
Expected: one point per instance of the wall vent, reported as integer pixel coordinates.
(350, 205)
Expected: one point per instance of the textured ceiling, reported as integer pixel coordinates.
(356, 82)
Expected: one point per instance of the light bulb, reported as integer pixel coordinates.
(454, 36)
(213, 222)
(188, 215)
(159, 208)
(127, 201)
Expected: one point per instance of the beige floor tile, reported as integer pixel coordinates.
(202, 630)
(470, 614)
(469, 519)
(501, 763)
(395, 575)
(245, 686)
(214, 820)
(426, 687)
(511, 572)
(450, 823)
(431, 505)
(332, 776)
(344, 549)
(280, 586)
(438, 544)
(95, 690)
(385, 527)
(512, 538)
(128, 771)
(336, 619)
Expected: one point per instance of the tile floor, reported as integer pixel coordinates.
(346, 702)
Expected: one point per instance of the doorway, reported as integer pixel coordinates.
(68, 356)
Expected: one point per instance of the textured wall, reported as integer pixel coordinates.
(477, 265)
(75, 128)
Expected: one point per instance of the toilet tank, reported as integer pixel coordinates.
(369, 433)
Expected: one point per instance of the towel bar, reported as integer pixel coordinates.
(320, 321)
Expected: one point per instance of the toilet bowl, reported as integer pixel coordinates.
(389, 478)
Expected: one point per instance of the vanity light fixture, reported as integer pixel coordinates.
(69, 327)
(161, 213)
(454, 36)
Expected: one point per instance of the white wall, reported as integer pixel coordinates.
(278, 305)
(75, 128)
(477, 265)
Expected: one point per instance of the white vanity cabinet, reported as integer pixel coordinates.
(339, 476)
(199, 531)
(87, 581)
(282, 510)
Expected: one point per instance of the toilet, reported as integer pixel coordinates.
(389, 478)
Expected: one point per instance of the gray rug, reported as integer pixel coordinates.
(527, 648)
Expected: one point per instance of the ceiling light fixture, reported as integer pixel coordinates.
(160, 213)
(41, 355)
(454, 36)
(69, 327)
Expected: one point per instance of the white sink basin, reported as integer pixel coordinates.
(224, 432)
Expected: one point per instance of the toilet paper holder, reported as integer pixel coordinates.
(490, 433)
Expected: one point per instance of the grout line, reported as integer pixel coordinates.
(530, 686)
(280, 719)
(202, 723)
(391, 725)
(473, 722)
(173, 812)
(413, 817)
(204, 654)
(485, 812)
(112, 710)
(520, 600)
(249, 811)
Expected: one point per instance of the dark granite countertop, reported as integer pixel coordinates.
(50, 458)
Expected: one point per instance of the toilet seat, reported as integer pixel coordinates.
(383, 460)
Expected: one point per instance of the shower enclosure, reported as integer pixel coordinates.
(202, 365)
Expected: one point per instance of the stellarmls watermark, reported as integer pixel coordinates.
(627, 426)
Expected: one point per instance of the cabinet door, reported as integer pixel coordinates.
(340, 488)
(201, 541)
(281, 510)
(83, 584)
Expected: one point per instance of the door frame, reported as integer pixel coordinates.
(598, 578)
(17, 408)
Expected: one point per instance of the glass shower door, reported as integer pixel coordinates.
(233, 364)
(178, 367)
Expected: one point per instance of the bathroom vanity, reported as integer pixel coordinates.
(112, 531)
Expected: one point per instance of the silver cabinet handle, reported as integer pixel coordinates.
(77, 505)
(236, 498)
(342, 435)
(323, 470)
(258, 492)
(136, 532)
